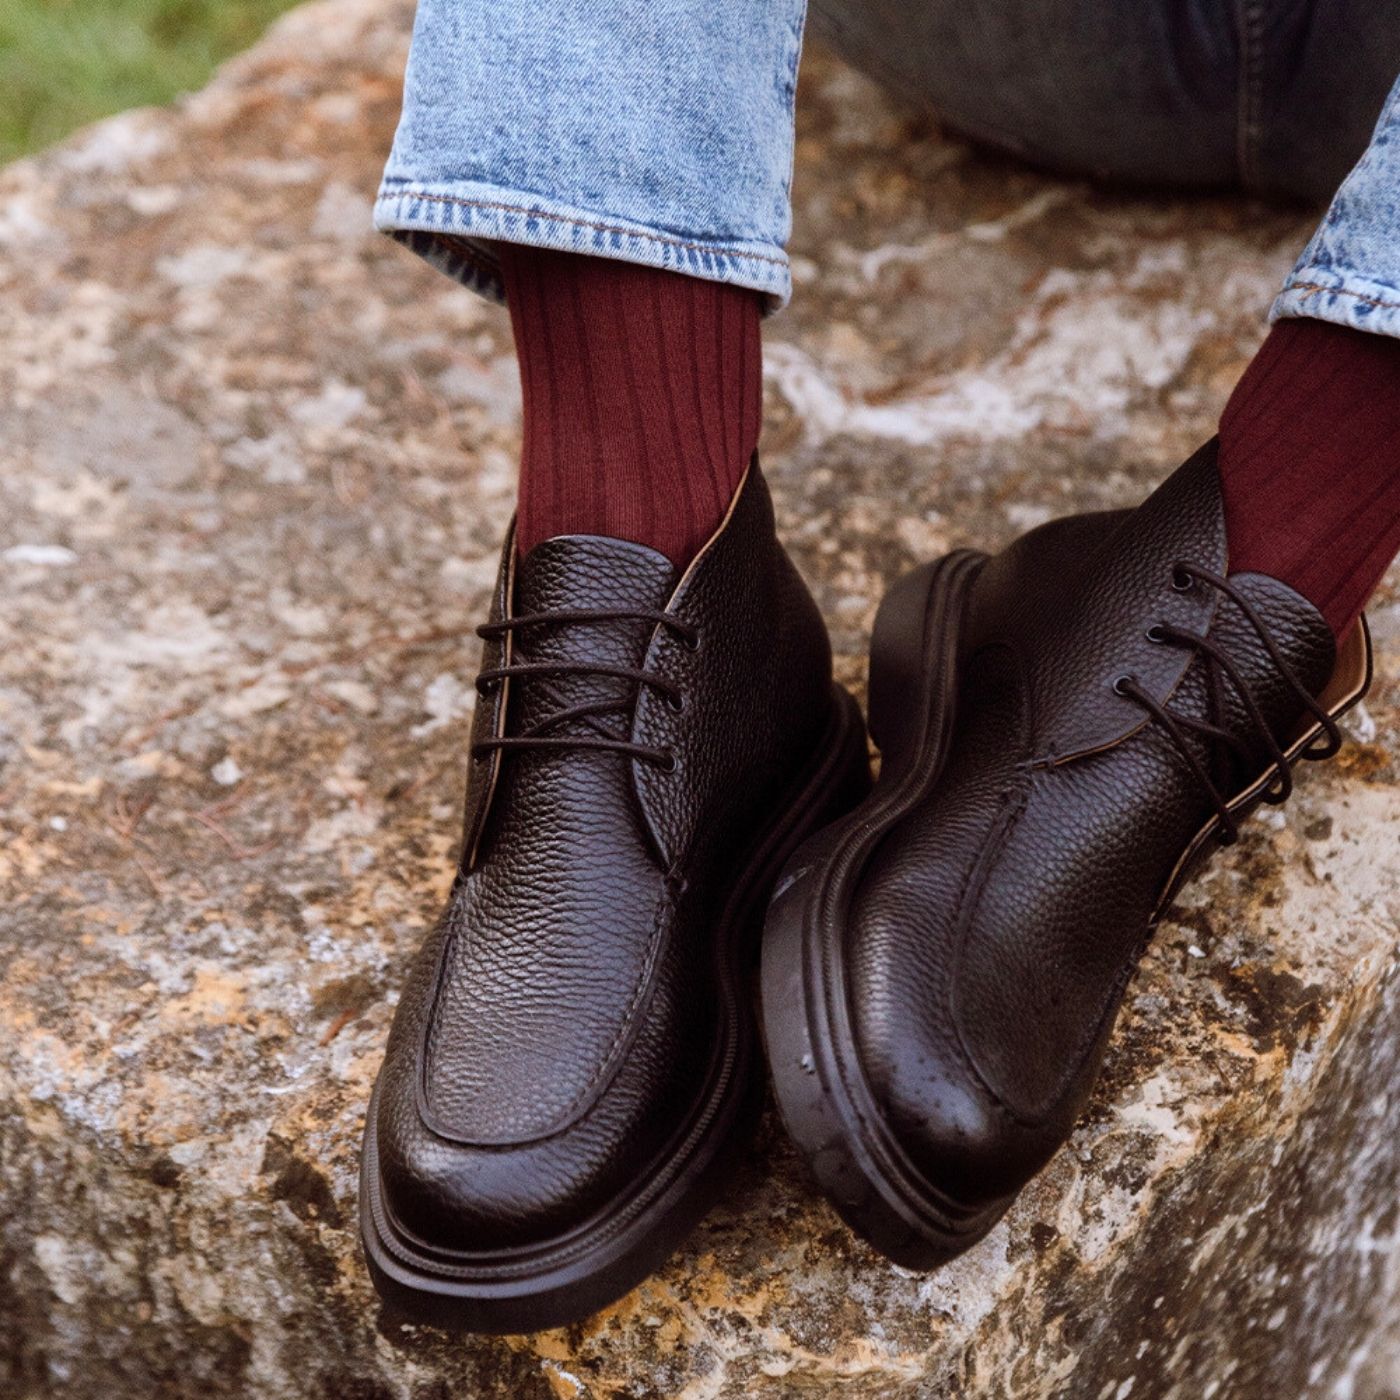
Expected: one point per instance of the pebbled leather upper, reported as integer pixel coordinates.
(993, 930)
(561, 1023)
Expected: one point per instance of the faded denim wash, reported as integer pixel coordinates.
(656, 131)
(661, 131)
(1350, 271)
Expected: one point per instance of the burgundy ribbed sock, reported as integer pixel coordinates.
(642, 398)
(1310, 464)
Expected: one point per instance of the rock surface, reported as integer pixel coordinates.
(255, 465)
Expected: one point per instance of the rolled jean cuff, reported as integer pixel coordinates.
(1342, 297)
(1349, 273)
(453, 226)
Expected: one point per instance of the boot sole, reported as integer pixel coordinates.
(826, 1104)
(571, 1277)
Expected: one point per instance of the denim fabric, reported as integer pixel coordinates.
(1273, 96)
(1350, 272)
(660, 131)
(656, 131)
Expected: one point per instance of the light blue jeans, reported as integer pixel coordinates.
(661, 131)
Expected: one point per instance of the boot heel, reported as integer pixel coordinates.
(912, 653)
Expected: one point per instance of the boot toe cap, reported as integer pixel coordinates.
(955, 1133)
(482, 1199)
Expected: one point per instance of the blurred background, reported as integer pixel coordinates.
(67, 62)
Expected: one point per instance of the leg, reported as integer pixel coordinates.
(1019, 77)
(1278, 98)
(1066, 730)
(657, 140)
(659, 134)
(1275, 98)
(1349, 273)
(573, 1065)
(1310, 441)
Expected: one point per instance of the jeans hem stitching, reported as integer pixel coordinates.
(710, 248)
(1317, 287)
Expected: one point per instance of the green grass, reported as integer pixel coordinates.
(66, 62)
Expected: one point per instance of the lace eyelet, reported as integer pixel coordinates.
(1120, 686)
(691, 641)
(1182, 581)
(668, 764)
(676, 704)
(1156, 633)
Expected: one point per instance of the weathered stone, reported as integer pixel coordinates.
(256, 463)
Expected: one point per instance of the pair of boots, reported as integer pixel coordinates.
(1065, 729)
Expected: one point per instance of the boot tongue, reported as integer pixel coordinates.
(585, 573)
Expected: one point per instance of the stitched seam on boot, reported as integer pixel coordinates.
(584, 1099)
(590, 1091)
(969, 899)
(1086, 1041)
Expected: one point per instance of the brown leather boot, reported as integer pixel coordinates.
(573, 1067)
(1065, 728)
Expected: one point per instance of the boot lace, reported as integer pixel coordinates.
(543, 734)
(1221, 667)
